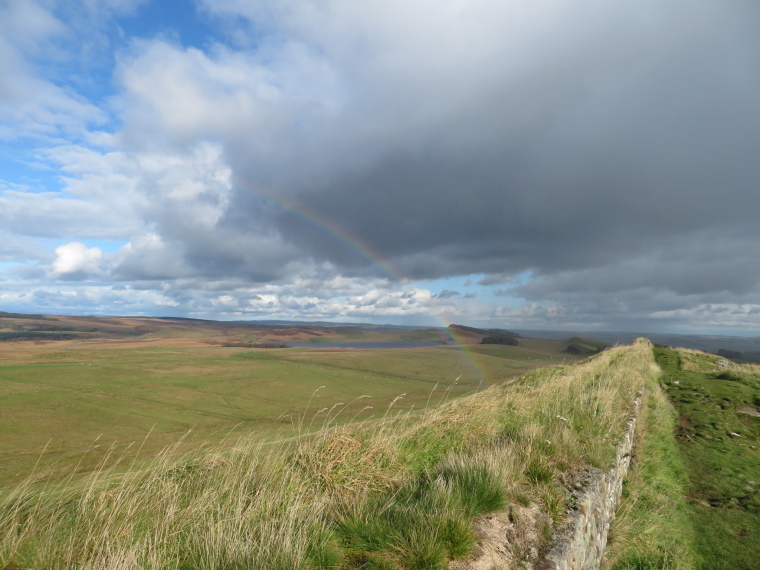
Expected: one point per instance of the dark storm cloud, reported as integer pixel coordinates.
(709, 281)
(596, 131)
(607, 132)
(606, 149)
(495, 279)
(702, 264)
(657, 143)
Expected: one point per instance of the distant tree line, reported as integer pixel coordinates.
(29, 335)
(4, 315)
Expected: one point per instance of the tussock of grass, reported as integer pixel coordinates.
(428, 519)
(397, 492)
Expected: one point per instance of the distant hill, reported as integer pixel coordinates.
(748, 346)
(579, 346)
(328, 325)
(18, 327)
(483, 336)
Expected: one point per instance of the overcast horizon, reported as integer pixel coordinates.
(542, 165)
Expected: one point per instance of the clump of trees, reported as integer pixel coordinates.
(505, 339)
(5, 315)
(30, 335)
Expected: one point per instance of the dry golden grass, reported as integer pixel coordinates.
(279, 505)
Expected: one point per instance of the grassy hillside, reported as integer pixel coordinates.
(584, 346)
(402, 490)
(56, 399)
(16, 326)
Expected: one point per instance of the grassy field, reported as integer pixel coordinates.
(56, 399)
(718, 435)
(404, 490)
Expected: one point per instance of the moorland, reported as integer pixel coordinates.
(178, 443)
(102, 384)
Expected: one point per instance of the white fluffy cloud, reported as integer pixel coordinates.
(77, 261)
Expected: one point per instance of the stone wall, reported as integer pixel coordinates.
(580, 545)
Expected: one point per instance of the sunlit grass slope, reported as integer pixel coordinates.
(397, 491)
(60, 400)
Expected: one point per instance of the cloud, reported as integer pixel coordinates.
(447, 294)
(535, 137)
(270, 301)
(75, 261)
(51, 215)
(17, 249)
(496, 279)
(148, 257)
(86, 299)
(30, 105)
(596, 157)
(503, 293)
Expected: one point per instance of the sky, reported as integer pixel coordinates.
(524, 164)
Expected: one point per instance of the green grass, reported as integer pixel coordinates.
(422, 335)
(479, 365)
(654, 528)
(428, 519)
(398, 491)
(689, 502)
(55, 403)
(719, 445)
(66, 400)
(584, 347)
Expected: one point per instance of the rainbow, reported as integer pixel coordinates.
(351, 241)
